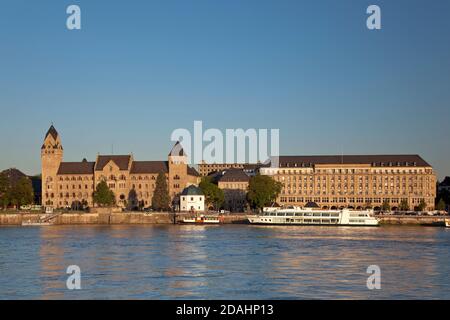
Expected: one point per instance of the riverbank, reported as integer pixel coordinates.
(101, 218)
(111, 218)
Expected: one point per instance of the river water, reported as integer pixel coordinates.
(224, 262)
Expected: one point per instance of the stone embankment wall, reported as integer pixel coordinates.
(108, 217)
(104, 217)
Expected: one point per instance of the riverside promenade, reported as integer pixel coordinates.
(15, 218)
(105, 218)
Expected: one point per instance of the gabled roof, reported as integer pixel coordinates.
(234, 175)
(52, 131)
(177, 150)
(192, 191)
(83, 167)
(149, 167)
(122, 161)
(192, 172)
(373, 160)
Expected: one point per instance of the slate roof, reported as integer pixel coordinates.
(52, 131)
(122, 161)
(233, 175)
(149, 167)
(192, 191)
(83, 167)
(177, 150)
(374, 160)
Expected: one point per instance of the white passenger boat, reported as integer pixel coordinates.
(35, 224)
(202, 219)
(310, 216)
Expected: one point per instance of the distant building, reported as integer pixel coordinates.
(234, 183)
(206, 169)
(133, 182)
(357, 181)
(192, 199)
(444, 185)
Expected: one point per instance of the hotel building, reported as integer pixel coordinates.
(355, 181)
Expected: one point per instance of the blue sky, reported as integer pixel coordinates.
(140, 69)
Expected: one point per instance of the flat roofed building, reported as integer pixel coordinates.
(206, 169)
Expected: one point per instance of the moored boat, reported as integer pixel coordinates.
(447, 222)
(310, 216)
(34, 224)
(202, 219)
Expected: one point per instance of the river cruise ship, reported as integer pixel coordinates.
(310, 216)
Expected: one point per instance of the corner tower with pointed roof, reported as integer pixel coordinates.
(51, 158)
(178, 170)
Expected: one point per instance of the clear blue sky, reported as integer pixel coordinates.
(139, 69)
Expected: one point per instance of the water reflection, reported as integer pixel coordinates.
(213, 262)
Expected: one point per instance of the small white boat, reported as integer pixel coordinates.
(34, 224)
(202, 219)
(310, 216)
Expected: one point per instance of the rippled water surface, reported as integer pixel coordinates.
(224, 262)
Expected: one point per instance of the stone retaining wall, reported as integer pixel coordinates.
(15, 218)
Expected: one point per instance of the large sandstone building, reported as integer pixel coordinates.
(336, 181)
(133, 182)
(355, 181)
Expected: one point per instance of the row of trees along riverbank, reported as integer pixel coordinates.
(262, 191)
(15, 193)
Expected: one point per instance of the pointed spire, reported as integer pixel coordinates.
(52, 131)
(177, 150)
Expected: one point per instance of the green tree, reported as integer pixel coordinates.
(22, 192)
(444, 195)
(440, 205)
(385, 206)
(262, 190)
(161, 198)
(404, 205)
(4, 190)
(103, 196)
(422, 205)
(214, 196)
